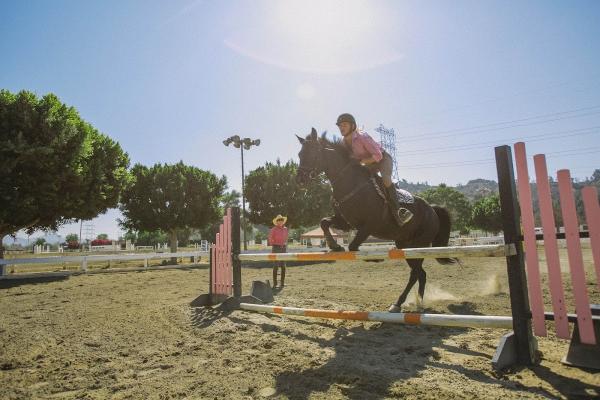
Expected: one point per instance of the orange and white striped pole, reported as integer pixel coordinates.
(387, 254)
(462, 321)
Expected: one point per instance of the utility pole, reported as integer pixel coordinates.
(245, 143)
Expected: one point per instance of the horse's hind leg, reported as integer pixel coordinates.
(422, 282)
(417, 273)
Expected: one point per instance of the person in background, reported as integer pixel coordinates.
(278, 236)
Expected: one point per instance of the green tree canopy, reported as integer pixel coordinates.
(72, 237)
(272, 190)
(231, 199)
(54, 167)
(102, 236)
(171, 198)
(454, 201)
(145, 238)
(487, 215)
(595, 178)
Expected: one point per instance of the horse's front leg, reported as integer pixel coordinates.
(361, 236)
(336, 222)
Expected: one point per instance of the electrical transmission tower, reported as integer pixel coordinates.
(388, 142)
(89, 232)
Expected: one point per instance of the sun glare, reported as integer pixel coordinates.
(317, 36)
(332, 24)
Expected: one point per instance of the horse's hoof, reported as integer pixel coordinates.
(338, 248)
(420, 306)
(394, 308)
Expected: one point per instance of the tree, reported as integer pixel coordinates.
(487, 215)
(454, 201)
(272, 190)
(259, 237)
(171, 198)
(102, 236)
(145, 238)
(231, 199)
(72, 237)
(131, 236)
(40, 242)
(595, 178)
(54, 167)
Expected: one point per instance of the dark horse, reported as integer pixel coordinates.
(358, 204)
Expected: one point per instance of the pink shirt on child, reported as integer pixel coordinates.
(278, 236)
(363, 146)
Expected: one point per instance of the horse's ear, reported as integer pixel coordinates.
(300, 139)
(313, 134)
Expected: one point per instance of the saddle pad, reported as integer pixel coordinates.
(405, 196)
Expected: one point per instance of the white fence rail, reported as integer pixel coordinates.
(84, 260)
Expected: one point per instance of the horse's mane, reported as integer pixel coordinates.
(335, 143)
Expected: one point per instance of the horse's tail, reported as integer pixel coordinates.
(443, 235)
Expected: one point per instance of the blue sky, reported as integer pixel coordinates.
(170, 80)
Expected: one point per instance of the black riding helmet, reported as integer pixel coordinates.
(346, 118)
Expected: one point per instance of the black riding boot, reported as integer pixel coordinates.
(401, 215)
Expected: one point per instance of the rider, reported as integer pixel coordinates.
(370, 154)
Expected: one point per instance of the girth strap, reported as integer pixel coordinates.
(350, 195)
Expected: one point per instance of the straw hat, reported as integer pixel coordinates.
(278, 217)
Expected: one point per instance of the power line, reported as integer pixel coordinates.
(491, 100)
(555, 154)
(495, 127)
(529, 138)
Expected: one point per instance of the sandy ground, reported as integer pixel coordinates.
(135, 336)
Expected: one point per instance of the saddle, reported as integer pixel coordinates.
(404, 196)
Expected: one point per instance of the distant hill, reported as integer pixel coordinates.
(413, 187)
(473, 190)
(478, 188)
(50, 238)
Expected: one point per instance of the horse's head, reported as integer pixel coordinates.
(310, 158)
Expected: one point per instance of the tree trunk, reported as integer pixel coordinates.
(2, 236)
(173, 239)
(2, 267)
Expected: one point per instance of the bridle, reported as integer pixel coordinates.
(315, 171)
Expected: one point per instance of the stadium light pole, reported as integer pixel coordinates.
(242, 144)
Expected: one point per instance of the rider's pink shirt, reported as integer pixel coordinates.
(363, 146)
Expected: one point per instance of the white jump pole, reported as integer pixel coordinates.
(461, 321)
(390, 254)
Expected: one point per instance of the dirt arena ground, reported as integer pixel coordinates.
(134, 335)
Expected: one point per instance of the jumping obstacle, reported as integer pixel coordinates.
(528, 316)
(461, 321)
(391, 254)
